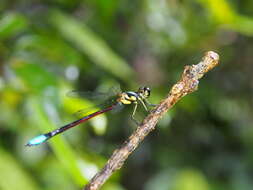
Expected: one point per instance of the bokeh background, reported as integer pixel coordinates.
(50, 47)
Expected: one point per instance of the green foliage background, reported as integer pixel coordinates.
(48, 48)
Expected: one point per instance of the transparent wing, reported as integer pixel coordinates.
(113, 91)
(89, 110)
(87, 95)
(118, 107)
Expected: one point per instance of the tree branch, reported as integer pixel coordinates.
(187, 84)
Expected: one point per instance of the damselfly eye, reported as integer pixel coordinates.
(145, 91)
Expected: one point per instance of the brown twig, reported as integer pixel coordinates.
(187, 84)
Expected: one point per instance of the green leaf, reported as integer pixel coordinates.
(11, 24)
(35, 78)
(91, 44)
(224, 14)
(190, 179)
(50, 48)
(12, 176)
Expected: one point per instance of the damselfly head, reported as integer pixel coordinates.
(144, 91)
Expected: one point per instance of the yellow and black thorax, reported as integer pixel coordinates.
(128, 97)
(132, 97)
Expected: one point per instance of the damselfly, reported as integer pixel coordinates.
(123, 98)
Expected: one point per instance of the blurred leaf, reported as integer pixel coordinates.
(50, 48)
(106, 9)
(11, 97)
(12, 176)
(190, 179)
(243, 24)
(220, 9)
(11, 24)
(91, 44)
(34, 76)
(224, 14)
(99, 124)
(112, 186)
(67, 3)
(10, 101)
(55, 177)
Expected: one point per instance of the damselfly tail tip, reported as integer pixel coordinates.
(37, 140)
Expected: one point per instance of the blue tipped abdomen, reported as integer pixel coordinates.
(37, 140)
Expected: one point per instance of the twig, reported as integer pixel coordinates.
(187, 84)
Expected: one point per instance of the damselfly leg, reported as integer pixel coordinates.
(145, 104)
